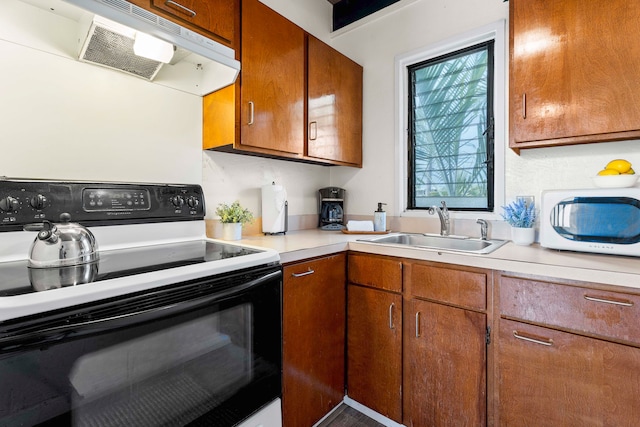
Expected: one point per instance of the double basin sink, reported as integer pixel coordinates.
(437, 242)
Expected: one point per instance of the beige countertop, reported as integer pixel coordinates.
(605, 269)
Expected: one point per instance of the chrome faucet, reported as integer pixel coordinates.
(443, 214)
(483, 228)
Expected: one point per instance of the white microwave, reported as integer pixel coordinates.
(604, 220)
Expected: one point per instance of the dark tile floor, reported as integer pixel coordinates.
(345, 416)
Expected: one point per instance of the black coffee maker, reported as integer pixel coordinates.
(331, 201)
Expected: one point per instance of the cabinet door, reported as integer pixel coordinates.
(313, 339)
(552, 378)
(272, 81)
(374, 350)
(214, 16)
(334, 105)
(574, 71)
(445, 366)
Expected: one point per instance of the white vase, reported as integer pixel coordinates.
(232, 231)
(523, 236)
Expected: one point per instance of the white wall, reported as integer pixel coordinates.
(62, 119)
(421, 23)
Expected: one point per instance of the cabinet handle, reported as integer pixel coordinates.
(306, 273)
(524, 105)
(313, 126)
(548, 341)
(622, 302)
(250, 113)
(391, 316)
(179, 6)
(417, 324)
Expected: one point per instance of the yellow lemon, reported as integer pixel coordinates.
(608, 172)
(630, 172)
(619, 165)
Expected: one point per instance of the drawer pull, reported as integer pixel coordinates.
(418, 324)
(622, 302)
(548, 341)
(306, 273)
(181, 7)
(524, 105)
(391, 316)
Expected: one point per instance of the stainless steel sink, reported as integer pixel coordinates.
(436, 242)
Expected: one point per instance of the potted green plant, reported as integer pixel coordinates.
(521, 216)
(232, 217)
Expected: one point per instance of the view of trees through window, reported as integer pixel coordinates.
(451, 130)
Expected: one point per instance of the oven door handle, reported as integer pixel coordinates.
(76, 326)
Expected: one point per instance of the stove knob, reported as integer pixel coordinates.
(9, 204)
(193, 202)
(38, 201)
(177, 201)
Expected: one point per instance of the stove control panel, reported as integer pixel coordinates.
(92, 204)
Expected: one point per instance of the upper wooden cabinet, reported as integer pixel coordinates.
(334, 105)
(215, 19)
(265, 112)
(573, 72)
(272, 86)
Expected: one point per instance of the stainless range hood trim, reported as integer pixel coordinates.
(140, 19)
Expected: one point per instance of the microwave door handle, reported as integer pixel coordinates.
(19, 340)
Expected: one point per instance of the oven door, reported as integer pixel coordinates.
(205, 352)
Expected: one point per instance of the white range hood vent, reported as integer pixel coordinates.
(108, 47)
(199, 66)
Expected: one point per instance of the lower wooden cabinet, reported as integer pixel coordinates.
(568, 354)
(374, 350)
(554, 378)
(313, 331)
(445, 347)
(445, 366)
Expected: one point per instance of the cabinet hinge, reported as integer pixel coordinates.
(487, 335)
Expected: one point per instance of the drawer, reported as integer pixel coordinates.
(608, 314)
(376, 271)
(459, 287)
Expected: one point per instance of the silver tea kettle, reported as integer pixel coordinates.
(61, 244)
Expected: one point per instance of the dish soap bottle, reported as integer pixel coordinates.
(380, 219)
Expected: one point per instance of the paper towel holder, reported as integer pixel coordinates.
(275, 210)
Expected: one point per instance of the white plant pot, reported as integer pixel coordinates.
(523, 236)
(232, 231)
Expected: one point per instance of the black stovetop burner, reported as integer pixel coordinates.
(18, 279)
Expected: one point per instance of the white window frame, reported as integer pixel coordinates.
(494, 31)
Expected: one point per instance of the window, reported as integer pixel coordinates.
(452, 146)
(450, 136)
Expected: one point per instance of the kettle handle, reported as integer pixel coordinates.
(45, 229)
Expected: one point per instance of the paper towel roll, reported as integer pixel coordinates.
(274, 209)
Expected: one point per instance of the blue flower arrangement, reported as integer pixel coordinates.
(519, 214)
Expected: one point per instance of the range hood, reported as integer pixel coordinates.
(198, 66)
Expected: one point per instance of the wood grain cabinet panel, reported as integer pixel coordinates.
(374, 350)
(272, 81)
(216, 17)
(445, 366)
(453, 286)
(376, 271)
(612, 315)
(314, 319)
(334, 105)
(573, 72)
(553, 378)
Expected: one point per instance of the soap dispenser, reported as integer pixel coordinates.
(380, 219)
